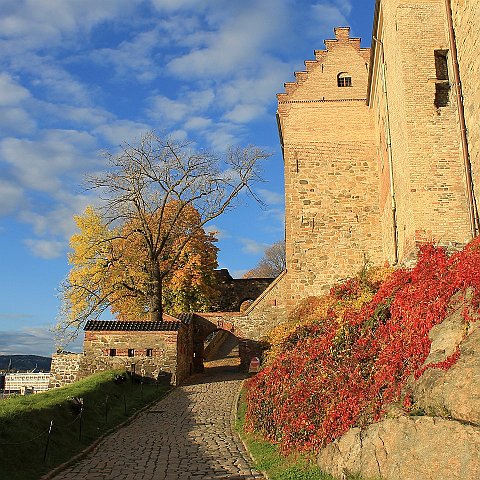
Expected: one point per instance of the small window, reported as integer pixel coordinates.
(149, 352)
(131, 352)
(113, 352)
(441, 64)
(344, 80)
(442, 83)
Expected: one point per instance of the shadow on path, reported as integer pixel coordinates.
(186, 435)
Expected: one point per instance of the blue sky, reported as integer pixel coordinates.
(79, 77)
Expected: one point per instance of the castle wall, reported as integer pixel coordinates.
(65, 369)
(331, 171)
(428, 174)
(233, 292)
(268, 311)
(466, 19)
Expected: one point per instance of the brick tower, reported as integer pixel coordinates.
(422, 173)
(331, 171)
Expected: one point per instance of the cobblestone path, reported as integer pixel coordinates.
(186, 435)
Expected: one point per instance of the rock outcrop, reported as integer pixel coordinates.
(454, 393)
(443, 443)
(406, 448)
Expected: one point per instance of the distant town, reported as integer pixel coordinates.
(23, 374)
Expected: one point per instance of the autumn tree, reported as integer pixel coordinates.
(272, 264)
(143, 242)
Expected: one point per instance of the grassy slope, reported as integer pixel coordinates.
(24, 422)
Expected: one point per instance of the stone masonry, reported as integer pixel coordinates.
(466, 20)
(418, 137)
(331, 172)
(65, 368)
(151, 350)
(372, 145)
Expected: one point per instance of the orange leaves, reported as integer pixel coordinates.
(164, 253)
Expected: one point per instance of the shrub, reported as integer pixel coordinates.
(343, 366)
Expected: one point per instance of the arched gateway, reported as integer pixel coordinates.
(171, 348)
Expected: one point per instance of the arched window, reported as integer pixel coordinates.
(344, 79)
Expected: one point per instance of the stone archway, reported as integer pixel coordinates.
(207, 323)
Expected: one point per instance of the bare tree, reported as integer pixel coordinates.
(272, 264)
(146, 192)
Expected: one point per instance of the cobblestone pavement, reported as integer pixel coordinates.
(186, 435)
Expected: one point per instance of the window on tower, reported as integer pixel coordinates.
(344, 79)
(442, 84)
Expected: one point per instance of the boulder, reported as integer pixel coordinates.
(406, 448)
(444, 444)
(452, 393)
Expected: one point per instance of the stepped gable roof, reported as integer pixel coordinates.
(342, 36)
(115, 325)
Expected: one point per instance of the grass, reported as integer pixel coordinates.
(268, 458)
(25, 421)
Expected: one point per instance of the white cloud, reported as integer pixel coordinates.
(46, 249)
(59, 85)
(271, 198)
(83, 116)
(39, 164)
(133, 58)
(58, 220)
(119, 131)
(170, 111)
(240, 39)
(16, 121)
(31, 341)
(31, 23)
(198, 123)
(332, 14)
(170, 5)
(253, 247)
(34, 341)
(167, 110)
(223, 135)
(11, 93)
(245, 113)
(11, 196)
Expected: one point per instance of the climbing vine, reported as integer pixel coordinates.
(351, 352)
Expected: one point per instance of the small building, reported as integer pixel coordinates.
(150, 350)
(24, 383)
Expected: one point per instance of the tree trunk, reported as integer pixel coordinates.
(156, 307)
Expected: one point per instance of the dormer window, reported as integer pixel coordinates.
(344, 79)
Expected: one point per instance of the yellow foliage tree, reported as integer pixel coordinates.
(145, 248)
(112, 268)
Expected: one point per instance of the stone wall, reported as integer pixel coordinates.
(466, 19)
(212, 347)
(65, 369)
(331, 171)
(428, 172)
(184, 355)
(268, 311)
(170, 352)
(233, 292)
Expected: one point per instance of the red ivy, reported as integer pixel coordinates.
(330, 378)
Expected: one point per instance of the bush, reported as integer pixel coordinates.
(344, 367)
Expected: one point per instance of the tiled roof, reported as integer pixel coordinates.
(114, 325)
(186, 318)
